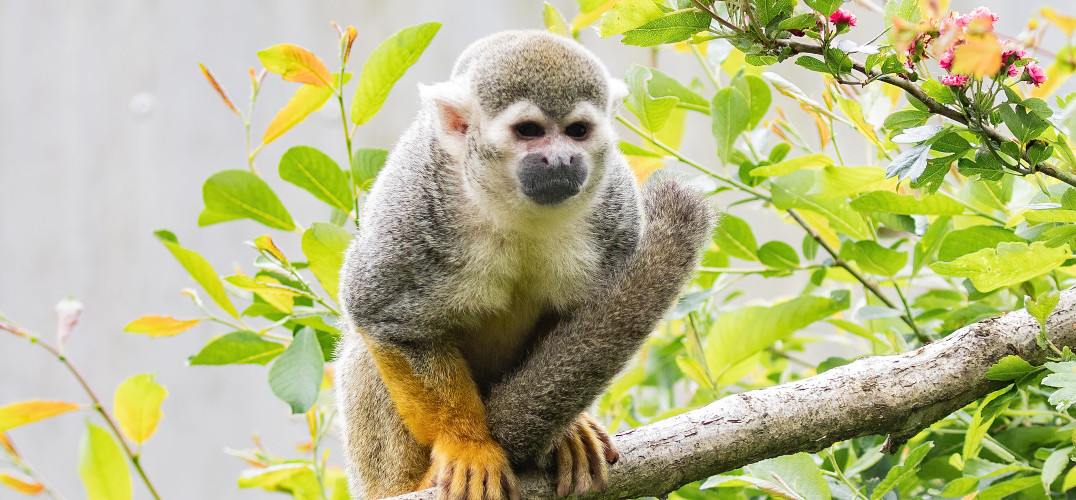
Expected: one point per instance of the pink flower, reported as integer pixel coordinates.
(842, 16)
(1034, 74)
(946, 60)
(1009, 56)
(954, 80)
(981, 19)
(1013, 70)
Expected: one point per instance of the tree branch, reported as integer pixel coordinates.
(898, 395)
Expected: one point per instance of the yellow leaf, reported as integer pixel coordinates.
(280, 297)
(160, 326)
(137, 406)
(1070, 480)
(979, 56)
(219, 89)
(585, 19)
(1057, 72)
(265, 244)
(1066, 23)
(24, 412)
(307, 99)
(934, 9)
(295, 64)
(643, 166)
(102, 467)
(20, 485)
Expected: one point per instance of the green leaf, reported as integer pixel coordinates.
(789, 166)
(1054, 465)
(102, 466)
(797, 472)
(136, 406)
(908, 118)
(662, 85)
(627, 15)
(992, 406)
(728, 342)
(295, 376)
(386, 64)
(653, 112)
(200, 270)
(790, 191)
(766, 10)
(778, 255)
(239, 194)
(672, 28)
(1041, 307)
(734, 236)
(238, 348)
(874, 258)
(1009, 368)
(898, 474)
(825, 7)
(1009, 264)
(1050, 215)
(365, 164)
(758, 97)
(1064, 378)
(972, 239)
(554, 21)
(324, 246)
(731, 113)
(891, 202)
(315, 172)
(1007, 488)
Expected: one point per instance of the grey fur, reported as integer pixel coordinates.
(410, 282)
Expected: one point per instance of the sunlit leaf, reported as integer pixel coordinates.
(137, 406)
(26, 487)
(652, 111)
(1009, 368)
(972, 239)
(324, 246)
(903, 471)
(25, 412)
(671, 28)
(239, 194)
(792, 476)
(788, 166)
(386, 64)
(199, 269)
(102, 466)
(160, 326)
(554, 21)
(365, 165)
(220, 90)
(295, 64)
(891, 202)
(627, 15)
(306, 99)
(280, 297)
(1066, 23)
(1009, 264)
(238, 348)
(318, 174)
(979, 56)
(730, 113)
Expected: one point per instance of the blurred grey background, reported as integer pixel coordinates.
(107, 131)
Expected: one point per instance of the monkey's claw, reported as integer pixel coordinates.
(470, 470)
(583, 456)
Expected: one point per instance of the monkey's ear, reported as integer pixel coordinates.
(453, 109)
(617, 92)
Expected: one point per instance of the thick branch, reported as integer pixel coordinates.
(897, 395)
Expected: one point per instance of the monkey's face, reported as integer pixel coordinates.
(539, 160)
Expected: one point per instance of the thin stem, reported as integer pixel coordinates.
(17, 461)
(132, 456)
(714, 78)
(908, 313)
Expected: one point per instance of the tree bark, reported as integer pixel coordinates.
(897, 395)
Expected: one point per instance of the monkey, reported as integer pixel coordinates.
(507, 266)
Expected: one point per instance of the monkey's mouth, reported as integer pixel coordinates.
(549, 183)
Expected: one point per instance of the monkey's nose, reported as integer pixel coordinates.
(551, 178)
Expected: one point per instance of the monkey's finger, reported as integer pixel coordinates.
(564, 468)
(476, 482)
(492, 483)
(599, 470)
(510, 484)
(611, 453)
(457, 489)
(581, 471)
(442, 479)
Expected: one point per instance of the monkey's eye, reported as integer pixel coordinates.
(530, 130)
(577, 130)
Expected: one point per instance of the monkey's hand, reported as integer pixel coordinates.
(583, 455)
(470, 470)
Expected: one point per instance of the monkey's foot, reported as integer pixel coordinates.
(583, 455)
(470, 470)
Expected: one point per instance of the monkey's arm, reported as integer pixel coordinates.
(573, 364)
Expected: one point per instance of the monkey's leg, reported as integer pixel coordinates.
(382, 457)
(431, 386)
(530, 410)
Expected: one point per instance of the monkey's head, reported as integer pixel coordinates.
(528, 116)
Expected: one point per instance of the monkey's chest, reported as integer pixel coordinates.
(511, 290)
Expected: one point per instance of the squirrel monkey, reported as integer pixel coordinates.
(506, 269)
